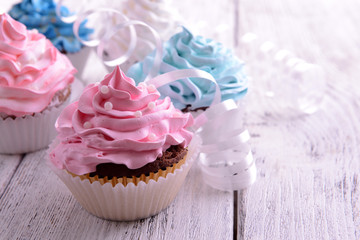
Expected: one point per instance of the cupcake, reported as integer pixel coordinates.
(121, 151)
(184, 51)
(35, 83)
(41, 15)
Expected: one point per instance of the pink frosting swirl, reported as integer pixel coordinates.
(32, 70)
(116, 121)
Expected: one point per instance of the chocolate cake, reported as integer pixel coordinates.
(171, 156)
(187, 109)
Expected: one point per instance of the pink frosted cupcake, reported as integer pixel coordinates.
(35, 83)
(121, 151)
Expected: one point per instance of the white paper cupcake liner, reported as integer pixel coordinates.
(131, 202)
(29, 133)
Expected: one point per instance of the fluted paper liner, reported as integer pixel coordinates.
(135, 180)
(29, 133)
(133, 199)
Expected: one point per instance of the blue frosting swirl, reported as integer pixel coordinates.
(184, 51)
(41, 15)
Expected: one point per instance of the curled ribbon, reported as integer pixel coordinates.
(78, 18)
(109, 32)
(225, 156)
(112, 30)
(133, 40)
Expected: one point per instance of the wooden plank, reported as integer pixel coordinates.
(318, 206)
(8, 166)
(307, 185)
(323, 149)
(38, 206)
(313, 175)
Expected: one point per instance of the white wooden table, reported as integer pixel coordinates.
(308, 167)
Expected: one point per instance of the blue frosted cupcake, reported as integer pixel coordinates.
(184, 51)
(41, 15)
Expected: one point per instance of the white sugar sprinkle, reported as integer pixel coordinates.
(138, 114)
(151, 105)
(152, 137)
(108, 106)
(87, 125)
(104, 89)
(151, 88)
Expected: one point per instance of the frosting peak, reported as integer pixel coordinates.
(116, 121)
(31, 69)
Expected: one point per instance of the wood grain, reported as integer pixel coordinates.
(307, 186)
(8, 166)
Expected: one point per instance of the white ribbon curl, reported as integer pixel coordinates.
(110, 31)
(225, 156)
(133, 40)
